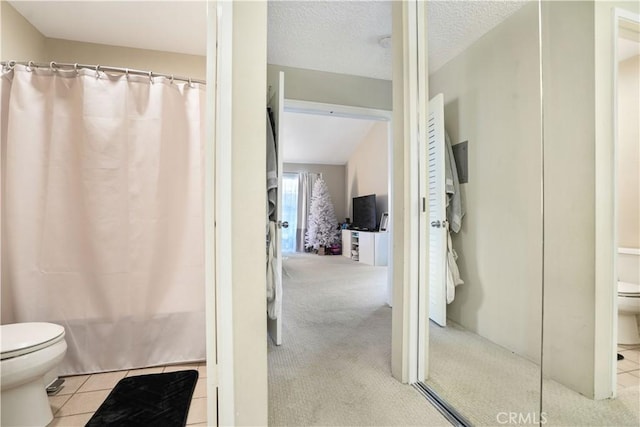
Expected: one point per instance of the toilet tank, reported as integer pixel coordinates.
(629, 265)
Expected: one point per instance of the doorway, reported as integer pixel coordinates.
(333, 304)
(626, 284)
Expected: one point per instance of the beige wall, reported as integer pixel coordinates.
(492, 100)
(142, 59)
(334, 176)
(332, 88)
(569, 197)
(367, 169)
(629, 153)
(20, 40)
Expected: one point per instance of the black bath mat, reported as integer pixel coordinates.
(148, 400)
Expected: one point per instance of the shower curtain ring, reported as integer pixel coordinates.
(75, 68)
(30, 65)
(97, 72)
(150, 77)
(126, 73)
(171, 81)
(190, 83)
(53, 66)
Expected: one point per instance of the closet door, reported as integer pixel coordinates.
(437, 213)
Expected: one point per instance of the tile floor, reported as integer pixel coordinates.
(629, 367)
(81, 395)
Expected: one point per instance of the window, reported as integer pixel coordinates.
(289, 211)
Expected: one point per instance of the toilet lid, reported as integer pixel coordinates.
(21, 338)
(630, 289)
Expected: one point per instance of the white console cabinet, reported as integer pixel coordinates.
(368, 247)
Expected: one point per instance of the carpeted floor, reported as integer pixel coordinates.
(334, 366)
(483, 381)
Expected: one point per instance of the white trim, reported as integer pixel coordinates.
(320, 108)
(412, 165)
(224, 219)
(423, 195)
(209, 212)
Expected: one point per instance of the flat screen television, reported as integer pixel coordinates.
(364, 213)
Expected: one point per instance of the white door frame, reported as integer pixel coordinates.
(219, 304)
(610, 307)
(346, 111)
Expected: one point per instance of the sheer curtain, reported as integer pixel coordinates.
(305, 188)
(102, 222)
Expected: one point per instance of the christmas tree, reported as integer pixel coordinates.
(323, 225)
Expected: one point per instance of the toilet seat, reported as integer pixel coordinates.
(17, 339)
(628, 289)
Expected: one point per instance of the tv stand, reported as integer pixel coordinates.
(368, 247)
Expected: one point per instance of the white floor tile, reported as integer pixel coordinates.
(81, 403)
(197, 411)
(201, 388)
(56, 402)
(72, 384)
(628, 380)
(105, 381)
(71, 421)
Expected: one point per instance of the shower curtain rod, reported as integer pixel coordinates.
(54, 66)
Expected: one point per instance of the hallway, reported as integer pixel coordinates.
(334, 366)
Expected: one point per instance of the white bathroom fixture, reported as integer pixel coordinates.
(29, 352)
(628, 295)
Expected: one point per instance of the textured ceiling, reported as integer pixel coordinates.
(342, 36)
(335, 36)
(310, 138)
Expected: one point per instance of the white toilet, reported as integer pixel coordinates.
(628, 295)
(628, 311)
(29, 351)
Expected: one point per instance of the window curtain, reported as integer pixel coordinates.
(102, 214)
(305, 188)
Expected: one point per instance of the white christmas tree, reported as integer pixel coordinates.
(322, 225)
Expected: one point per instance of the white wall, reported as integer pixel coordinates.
(248, 212)
(492, 100)
(629, 153)
(367, 169)
(334, 176)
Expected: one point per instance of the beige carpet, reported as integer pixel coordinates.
(482, 380)
(333, 367)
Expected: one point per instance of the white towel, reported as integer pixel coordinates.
(274, 280)
(453, 274)
(455, 208)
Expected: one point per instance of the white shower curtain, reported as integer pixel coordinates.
(306, 180)
(102, 214)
